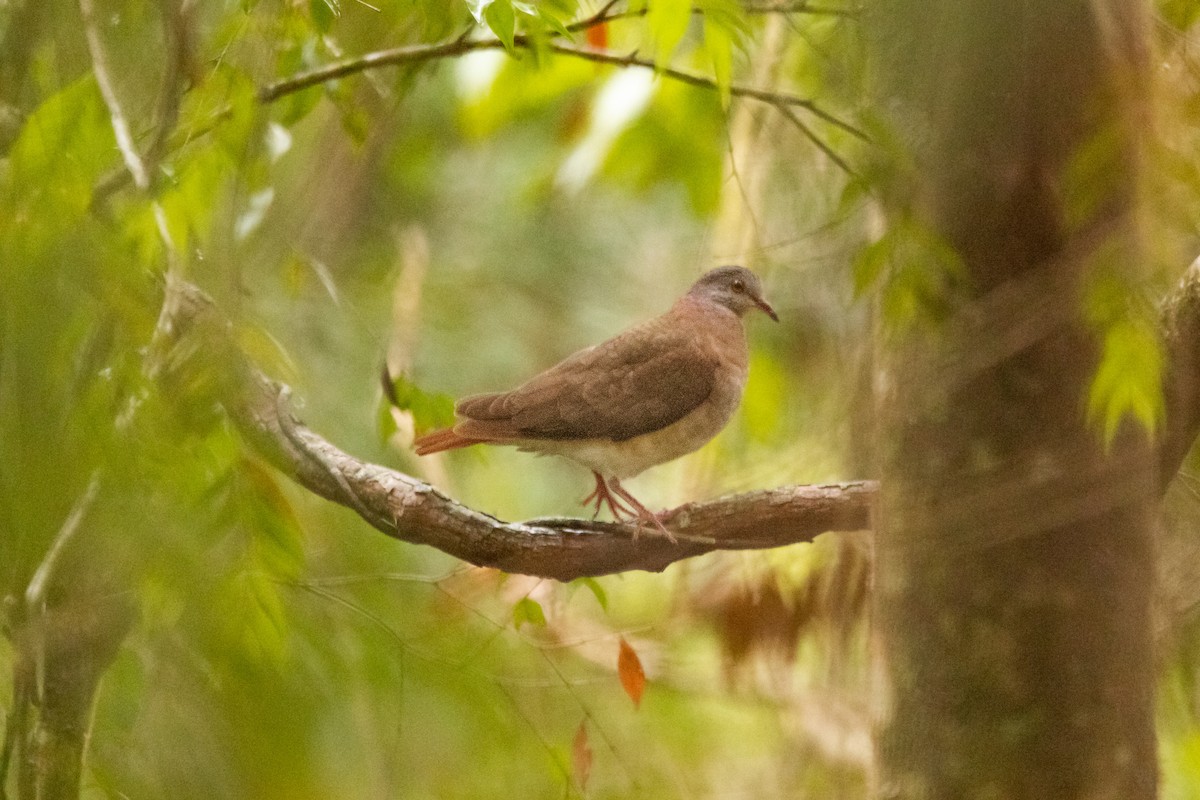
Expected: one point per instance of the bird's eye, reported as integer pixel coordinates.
(738, 287)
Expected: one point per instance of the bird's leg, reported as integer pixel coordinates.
(595, 495)
(643, 513)
(602, 495)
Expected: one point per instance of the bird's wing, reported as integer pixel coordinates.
(638, 382)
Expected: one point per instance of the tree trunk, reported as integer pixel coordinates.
(1014, 550)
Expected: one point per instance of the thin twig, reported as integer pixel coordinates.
(35, 593)
(801, 7)
(602, 16)
(811, 135)
(461, 45)
(454, 48)
(381, 58)
(170, 93)
(135, 164)
(133, 160)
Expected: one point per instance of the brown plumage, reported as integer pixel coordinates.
(655, 392)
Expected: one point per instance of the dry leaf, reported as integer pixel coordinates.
(581, 756)
(633, 678)
(597, 36)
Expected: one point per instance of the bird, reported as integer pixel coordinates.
(655, 392)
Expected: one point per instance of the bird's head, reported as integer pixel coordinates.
(736, 288)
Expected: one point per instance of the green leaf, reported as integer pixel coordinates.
(260, 630)
(501, 18)
(430, 410)
(60, 153)
(596, 589)
(324, 12)
(554, 23)
(919, 269)
(1128, 380)
(719, 44)
(258, 503)
(528, 610)
(668, 21)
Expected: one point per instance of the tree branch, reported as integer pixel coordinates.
(408, 509)
(820, 143)
(411, 510)
(415, 54)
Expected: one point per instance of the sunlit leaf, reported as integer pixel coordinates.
(629, 669)
(62, 149)
(668, 21)
(477, 7)
(917, 272)
(258, 502)
(719, 45)
(552, 22)
(1128, 381)
(430, 410)
(253, 611)
(1129, 375)
(502, 19)
(528, 610)
(596, 589)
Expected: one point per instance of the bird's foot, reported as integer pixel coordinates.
(601, 496)
(643, 514)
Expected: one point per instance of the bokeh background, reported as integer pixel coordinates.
(465, 221)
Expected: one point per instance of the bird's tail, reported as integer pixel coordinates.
(445, 439)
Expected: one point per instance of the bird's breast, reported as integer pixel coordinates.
(718, 332)
(632, 456)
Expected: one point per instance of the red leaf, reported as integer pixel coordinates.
(581, 756)
(597, 36)
(633, 677)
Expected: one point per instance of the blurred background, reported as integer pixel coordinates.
(466, 221)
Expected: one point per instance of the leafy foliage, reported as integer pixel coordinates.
(429, 410)
(1129, 377)
(280, 648)
(918, 271)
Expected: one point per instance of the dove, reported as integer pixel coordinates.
(657, 391)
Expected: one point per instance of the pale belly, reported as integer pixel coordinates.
(628, 458)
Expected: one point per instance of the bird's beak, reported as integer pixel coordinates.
(766, 308)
